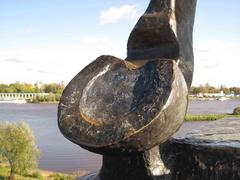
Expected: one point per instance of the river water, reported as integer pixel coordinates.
(58, 154)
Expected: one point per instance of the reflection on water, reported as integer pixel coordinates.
(58, 154)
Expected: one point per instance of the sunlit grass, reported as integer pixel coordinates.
(208, 117)
(35, 175)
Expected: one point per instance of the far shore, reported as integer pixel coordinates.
(191, 98)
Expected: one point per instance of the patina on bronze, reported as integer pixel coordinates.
(124, 109)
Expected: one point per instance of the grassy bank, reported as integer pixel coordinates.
(35, 175)
(196, 98)
(208, 117)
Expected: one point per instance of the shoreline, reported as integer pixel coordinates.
(56, 102)
(40, 173)
(191, 98)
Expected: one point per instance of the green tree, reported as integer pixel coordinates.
(195, 90)
(236, 111)
(56, 88)
(236, 90)
(4, 88)
(39, 87)
(225, 89)
(18, 147)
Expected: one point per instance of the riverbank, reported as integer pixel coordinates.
(54, 101)
(39, 174)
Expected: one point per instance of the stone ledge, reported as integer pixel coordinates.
(211, 152)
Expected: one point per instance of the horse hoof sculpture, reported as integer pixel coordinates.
(124, 109)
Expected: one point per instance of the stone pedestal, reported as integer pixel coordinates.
(208, 153)
(147, 165)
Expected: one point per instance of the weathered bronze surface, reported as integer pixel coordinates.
(114, 108)
(124, 109)
(165, 31)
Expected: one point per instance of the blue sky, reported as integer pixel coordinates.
(52, 40)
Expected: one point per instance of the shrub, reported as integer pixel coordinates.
(18, 147)
(236, 111)
(37, 174)
(206, 117)
(59, 176)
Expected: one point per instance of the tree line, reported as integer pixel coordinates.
(206, 88)
(55, 89)
(38, 87)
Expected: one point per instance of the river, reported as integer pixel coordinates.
(58, 154)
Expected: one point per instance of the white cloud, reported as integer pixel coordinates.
(94, 40)
(217, 62)
(54, 62)
(13, 60)
(114, 14)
